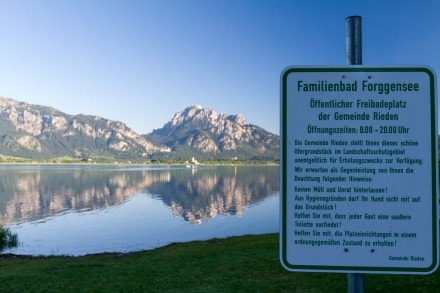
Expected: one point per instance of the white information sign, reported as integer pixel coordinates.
(359, 175)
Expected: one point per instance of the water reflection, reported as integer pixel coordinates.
(33, 192)
(205, 193)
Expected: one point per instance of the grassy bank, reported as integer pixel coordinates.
(238, 264)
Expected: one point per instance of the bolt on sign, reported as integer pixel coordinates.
(359, 170)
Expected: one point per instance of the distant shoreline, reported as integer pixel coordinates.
(62, 161)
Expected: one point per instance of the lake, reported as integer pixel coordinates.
(83, 209)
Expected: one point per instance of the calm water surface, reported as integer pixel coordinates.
(83, 209)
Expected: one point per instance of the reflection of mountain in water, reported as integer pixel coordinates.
(201, 193)
(32, 192)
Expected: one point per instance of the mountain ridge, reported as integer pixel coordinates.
(41, 132)
(209, 134)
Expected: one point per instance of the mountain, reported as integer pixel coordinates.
(202, 133)
(40, 132)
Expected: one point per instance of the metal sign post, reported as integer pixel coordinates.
(353, 40)
(353, 53)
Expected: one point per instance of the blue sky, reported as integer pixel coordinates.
(142, 61)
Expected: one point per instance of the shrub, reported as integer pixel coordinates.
(7, 239)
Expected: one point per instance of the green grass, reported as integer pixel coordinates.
(237, 264)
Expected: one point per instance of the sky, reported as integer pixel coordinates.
(140, 62)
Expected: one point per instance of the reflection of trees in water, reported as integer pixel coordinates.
(202, 194)
(196, 194)
(38, 193)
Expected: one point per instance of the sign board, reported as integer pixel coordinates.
(359, 174)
